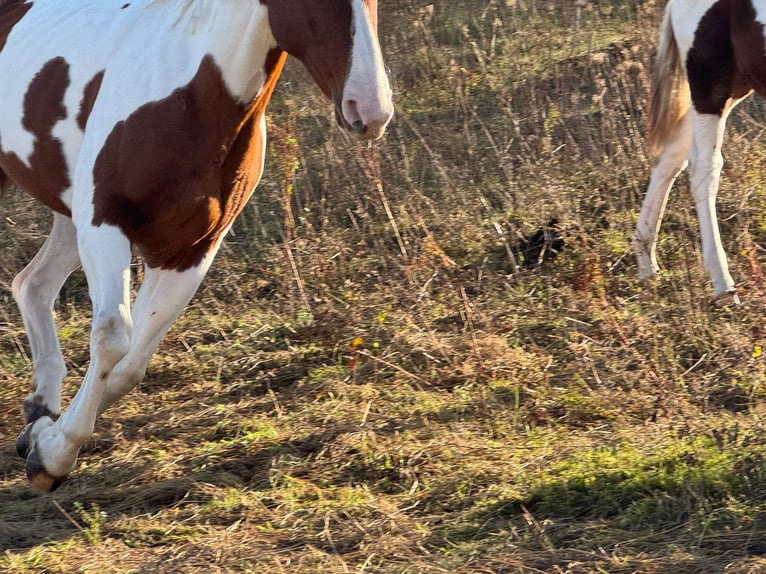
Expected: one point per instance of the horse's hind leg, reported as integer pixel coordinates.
(672, 161)
(35, 290)
(706, 162)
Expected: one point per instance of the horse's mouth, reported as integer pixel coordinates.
(355, 129)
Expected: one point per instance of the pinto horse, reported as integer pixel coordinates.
(140, 124)
(710, 57)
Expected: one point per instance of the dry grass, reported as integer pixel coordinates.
(388, 390)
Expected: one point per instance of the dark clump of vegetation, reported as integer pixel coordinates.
(379, 374)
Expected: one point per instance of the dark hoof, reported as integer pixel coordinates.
(726, 299)
(647, 282)
(24, 442)
(38, 477)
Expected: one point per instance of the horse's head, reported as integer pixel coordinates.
(337, 41)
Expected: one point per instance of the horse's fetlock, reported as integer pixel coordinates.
(36, 407)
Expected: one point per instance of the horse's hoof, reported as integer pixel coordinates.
(648, 280)
(38, 477)
(24, 442)
(726, 299)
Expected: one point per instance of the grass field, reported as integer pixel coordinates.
(374, 379)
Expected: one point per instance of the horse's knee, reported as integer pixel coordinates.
(110, 340)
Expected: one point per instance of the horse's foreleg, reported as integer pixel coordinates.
(162, 297)
(35, 290)
(672, 161)
(706, 162)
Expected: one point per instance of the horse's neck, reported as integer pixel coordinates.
(235, 32)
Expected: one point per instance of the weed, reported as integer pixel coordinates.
(93, 520)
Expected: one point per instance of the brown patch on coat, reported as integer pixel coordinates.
(88, 99)
(47, 175)
(303, 29)
(726, 59)
(175, 173)
(749, 48)
(11, 13)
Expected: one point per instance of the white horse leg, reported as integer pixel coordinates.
(35, 290)
(160, 300)
(672, 161)
(706, 162)
(105, 254)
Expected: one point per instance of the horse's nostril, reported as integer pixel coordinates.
(363, 120)
(359, 127)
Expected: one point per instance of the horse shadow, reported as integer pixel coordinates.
(32, 519)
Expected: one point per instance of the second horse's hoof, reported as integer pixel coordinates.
(726, 299)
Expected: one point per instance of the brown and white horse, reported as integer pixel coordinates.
(141, 123)
(710, 57)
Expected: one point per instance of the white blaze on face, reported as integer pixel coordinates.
(367, 104)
